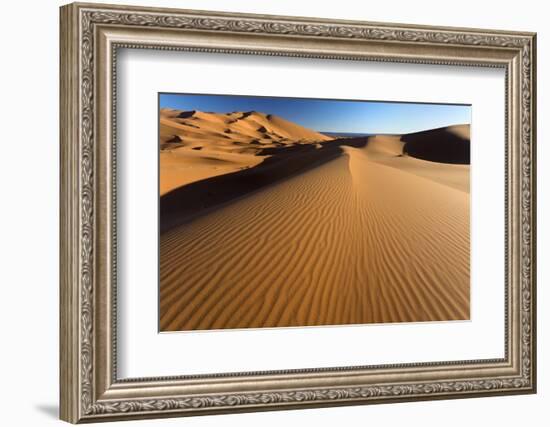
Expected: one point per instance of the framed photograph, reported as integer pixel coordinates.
(266, 212)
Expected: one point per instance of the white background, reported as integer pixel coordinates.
(145, 353)
(29, 171)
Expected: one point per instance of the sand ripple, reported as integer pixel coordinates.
(352, 241)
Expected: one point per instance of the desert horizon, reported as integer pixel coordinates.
(265, 222)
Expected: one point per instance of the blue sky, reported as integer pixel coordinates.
(326, 115)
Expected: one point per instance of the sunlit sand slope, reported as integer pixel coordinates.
(370, 236)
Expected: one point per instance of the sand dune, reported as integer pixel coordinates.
(195, 145)
(388, 150)
(449, 144)
(348, 232)
(279, 163)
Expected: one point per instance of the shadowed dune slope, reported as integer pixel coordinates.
(446, 145)
(360, 237)
(388, 149)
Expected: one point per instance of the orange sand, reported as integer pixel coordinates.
(364, 234)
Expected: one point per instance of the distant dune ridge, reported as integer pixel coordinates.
(270, 224)
(195, 145)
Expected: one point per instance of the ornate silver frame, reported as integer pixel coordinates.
(90, 36)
